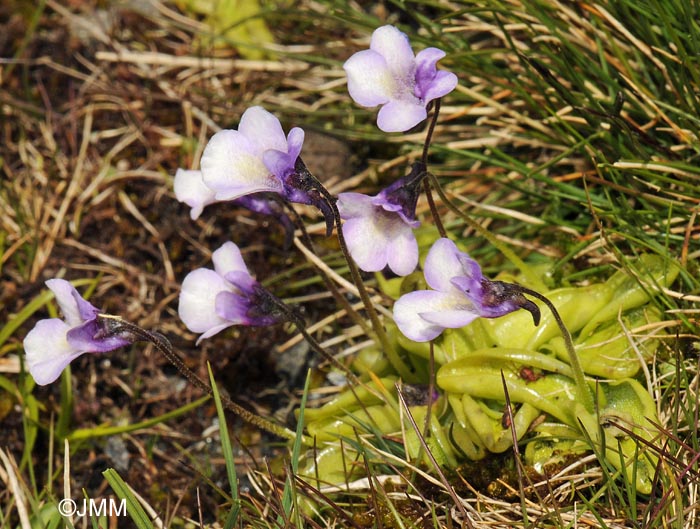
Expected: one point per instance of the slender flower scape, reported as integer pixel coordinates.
(388, 74)
(461, 294)
(255, 158)
(212, 300)
(54, 343)
(379, 230)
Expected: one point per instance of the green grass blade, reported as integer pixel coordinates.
(101, 431)
(123, 492)
(289, 486)
(226, 448)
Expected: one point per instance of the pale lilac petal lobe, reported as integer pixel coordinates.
(392, 44)
(441, 85)
(442, 264)
(74, 308)
(431, 83)
(190, 189)
(403, 251)
(470, 267)
(48, 352)
(353, 205)
(400, 116)
(370, 82)
(263, 130)
(295, 141)
(427, 59)
(407, 310)
(231, 167)
(366, 244)
(450, 319)
(86, 309)
(242, 280)
(228, 258)
(469, 286)
(197, 304)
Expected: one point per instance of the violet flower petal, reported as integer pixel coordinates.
(82, 338)
(197, 305)
(242, 280)
(233, 167)
(263, 130)
(295, 141)
(402, 254)
(442, 264)
(191, 190)
(450, 318)
(47, 350)
(353, 205)
(366, 243)
(399, 115)
(426, 62)
(278, 163)
(410, 308)
(370, 82)
(74, 308)
(393, 44)
(227, 258)
(377, 237)
(442, 84)
(232, 307)
(431, 83)
(469, 287)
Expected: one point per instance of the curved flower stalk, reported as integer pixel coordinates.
(212, 300)
(379, 229)
(116, 325)
(389, 74)
(460, 295)
(54, 343)
(259, 158)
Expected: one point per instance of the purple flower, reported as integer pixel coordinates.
(257, 158)
(388, 74)
(54, 343)
(461, 294)
(212, 300)
(379, 230)
(233, 162)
